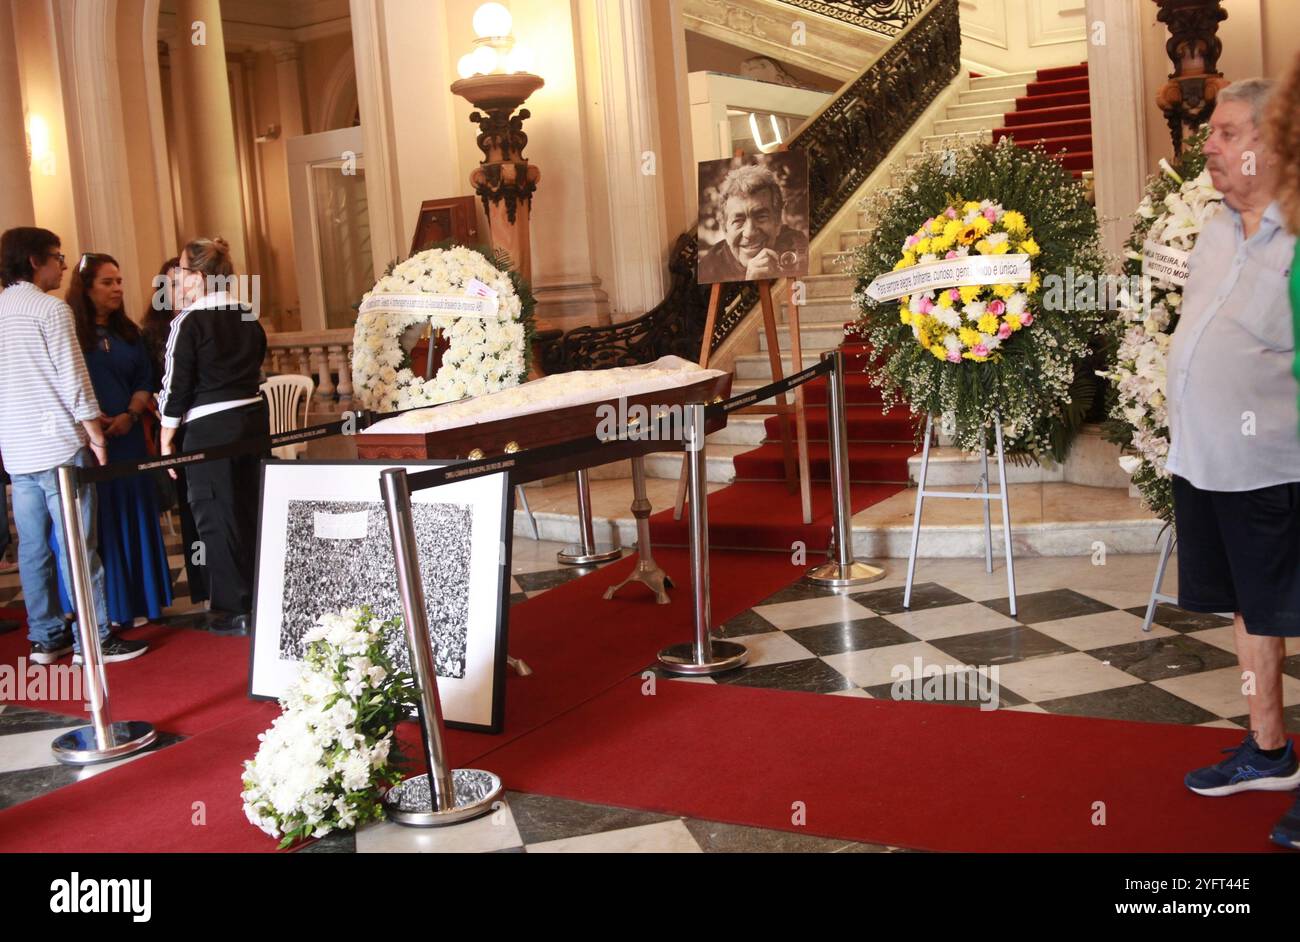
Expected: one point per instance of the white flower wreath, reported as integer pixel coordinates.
(1177, 205)
(484, 356)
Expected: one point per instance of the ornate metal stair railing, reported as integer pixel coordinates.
(846, 141)
(889, 17)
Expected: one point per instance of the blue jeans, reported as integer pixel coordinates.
(36, 510)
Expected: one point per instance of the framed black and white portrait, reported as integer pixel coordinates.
(324, 546)
(754, 223)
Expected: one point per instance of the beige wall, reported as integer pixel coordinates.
(1259, 38)
(1022, 35)
(329, 81)
(43, 97)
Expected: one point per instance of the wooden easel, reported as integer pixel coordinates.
(795, 476)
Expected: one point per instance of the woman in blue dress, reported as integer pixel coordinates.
(137, 578)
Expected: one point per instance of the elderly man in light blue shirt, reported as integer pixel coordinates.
(1234, 446)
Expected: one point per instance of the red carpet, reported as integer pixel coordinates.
(574, 658)
(879, 446)
(1054, 113)
(188, 683)
(915, 775)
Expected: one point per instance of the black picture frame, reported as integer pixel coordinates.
(466, 705)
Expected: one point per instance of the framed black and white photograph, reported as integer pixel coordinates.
(753, 218)
(324, 546)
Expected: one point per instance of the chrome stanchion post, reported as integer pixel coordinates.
(703, 655)
(647, 571)
(587, 552)
(843, 571)
(103, 739)
(444, 795)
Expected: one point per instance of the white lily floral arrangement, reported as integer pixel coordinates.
(483, 356)
(1179, 201)
(329, 758)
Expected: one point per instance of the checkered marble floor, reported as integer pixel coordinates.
(1074, 647)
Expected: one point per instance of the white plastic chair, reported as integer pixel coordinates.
(285, 395)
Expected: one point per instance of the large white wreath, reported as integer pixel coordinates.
(484, 356)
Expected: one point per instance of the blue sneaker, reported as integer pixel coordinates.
(1287, 831)
(1246, 769)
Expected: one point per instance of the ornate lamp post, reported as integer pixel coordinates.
(1187, 99)
(495, 79)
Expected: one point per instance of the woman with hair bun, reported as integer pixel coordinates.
(212, 368)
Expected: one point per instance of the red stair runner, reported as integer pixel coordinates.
(878, 445)
(1054, 113)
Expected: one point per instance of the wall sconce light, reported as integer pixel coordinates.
(40, 153)
(495, 50)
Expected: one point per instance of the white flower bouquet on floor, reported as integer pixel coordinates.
(329, 758)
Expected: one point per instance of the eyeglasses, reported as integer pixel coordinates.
(63, 259)
(86, 259)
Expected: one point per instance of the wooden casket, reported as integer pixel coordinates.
(537, 423)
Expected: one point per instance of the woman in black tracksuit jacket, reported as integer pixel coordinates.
(210, 396)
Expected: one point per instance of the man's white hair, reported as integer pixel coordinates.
(750, 180)
(1254, 92)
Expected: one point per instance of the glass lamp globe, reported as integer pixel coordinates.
(520, 59)
(492, 20)
(484, 60)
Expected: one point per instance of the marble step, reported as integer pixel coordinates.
(952, 467)
(756, 365)
(836, 311)
(811, 337)
(976, 123)
(940, 141)
(997, 93)
(719, 461)
(837, 262)
(1048, 519)
(1002, 81)
(990, 109)
(820, 287)
(1092, 461)
(851, 238)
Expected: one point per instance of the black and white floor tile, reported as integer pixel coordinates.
(1074, 647)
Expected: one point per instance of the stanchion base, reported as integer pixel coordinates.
(680, 659)
(574, 556)
(836, 576)
(411, 803)
(652, 577)
(78, 746)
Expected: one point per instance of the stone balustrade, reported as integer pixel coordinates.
(320, 354)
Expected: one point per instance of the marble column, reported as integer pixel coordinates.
(16, 207)
(203, 93)
(1115, 76)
